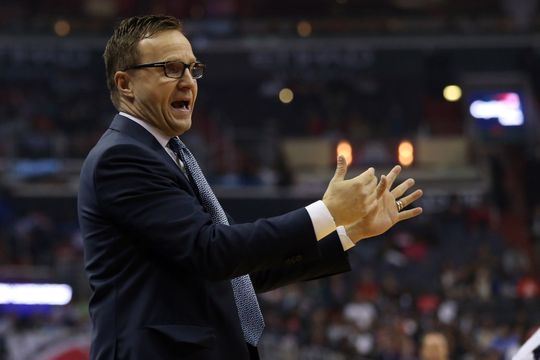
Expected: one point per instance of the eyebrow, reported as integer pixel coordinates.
(191, 59)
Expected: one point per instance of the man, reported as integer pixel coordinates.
(170, 277)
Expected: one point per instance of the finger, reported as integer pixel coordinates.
(371, 184)
(393, 174)
(366, 177)
(372, 206)
(366, 187)
(409, 214)
(370, 191)
(341, 168)
(399, 190)
(409, 199)
(382, 186)
(371, 198)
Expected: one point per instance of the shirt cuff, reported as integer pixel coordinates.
(322, 220)
(346, 241)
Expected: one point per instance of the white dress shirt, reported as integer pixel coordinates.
(322, 220)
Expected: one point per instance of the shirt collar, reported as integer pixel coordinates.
(160, 137)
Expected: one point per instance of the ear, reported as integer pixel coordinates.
(123, 84)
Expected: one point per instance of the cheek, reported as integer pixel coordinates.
(194, 100)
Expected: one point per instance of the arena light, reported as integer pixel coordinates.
(286, 95)
(35, 294)
(452, 93)
(344, 148)
(505, 107)
(405, 153)
(62, 28)
(304, 28)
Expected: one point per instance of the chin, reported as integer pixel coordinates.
(182, 126)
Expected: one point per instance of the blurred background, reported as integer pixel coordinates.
(447, 88)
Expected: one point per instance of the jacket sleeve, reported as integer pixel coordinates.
(332, 260)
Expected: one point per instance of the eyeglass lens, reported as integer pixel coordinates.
(176, 69)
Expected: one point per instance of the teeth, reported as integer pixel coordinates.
(181, 104)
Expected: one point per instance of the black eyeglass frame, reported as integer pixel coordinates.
(163, 64)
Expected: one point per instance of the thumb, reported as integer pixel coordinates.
(341, 168)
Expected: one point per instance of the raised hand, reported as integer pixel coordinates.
(386, 213)
(350, 200)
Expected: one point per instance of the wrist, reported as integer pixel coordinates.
(333, 208)
(354, 233)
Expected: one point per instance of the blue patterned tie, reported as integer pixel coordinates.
(249, 312)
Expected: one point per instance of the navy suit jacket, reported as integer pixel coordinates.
(160, 270)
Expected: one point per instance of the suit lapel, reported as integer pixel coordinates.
(136, 131)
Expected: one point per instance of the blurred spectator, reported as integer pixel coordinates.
(434, 346)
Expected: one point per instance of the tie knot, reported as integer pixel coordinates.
(176, 145)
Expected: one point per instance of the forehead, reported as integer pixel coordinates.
(165, 45)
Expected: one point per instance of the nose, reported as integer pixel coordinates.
(187, 80)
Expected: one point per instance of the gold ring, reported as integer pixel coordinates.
(399, 205)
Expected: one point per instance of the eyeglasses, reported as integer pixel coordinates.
(175, 69)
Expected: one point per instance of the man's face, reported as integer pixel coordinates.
(434, 347)
(164, 102)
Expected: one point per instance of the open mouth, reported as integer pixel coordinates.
(180, 105)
